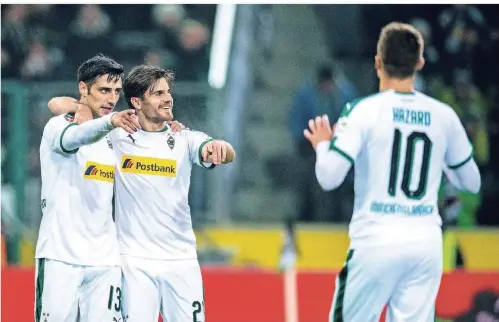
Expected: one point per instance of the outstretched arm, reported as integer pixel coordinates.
(73, 136)
(218, 152)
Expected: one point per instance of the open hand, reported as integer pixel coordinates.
(127, 120)
(320, 130)
(176, 126)
(214, 152)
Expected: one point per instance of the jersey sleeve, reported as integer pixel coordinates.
(459, 148)
(196, 141)
(54, 131)
(67, 137)
(349, 133)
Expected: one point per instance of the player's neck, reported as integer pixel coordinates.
(149, 125)
(398, 85)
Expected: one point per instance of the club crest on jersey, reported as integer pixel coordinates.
(171, 142)
(149, 166)
(97, 171)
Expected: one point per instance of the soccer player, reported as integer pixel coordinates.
(400, 141)
(77, 253)
(161, 273)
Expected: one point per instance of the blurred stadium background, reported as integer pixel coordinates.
(253, 75)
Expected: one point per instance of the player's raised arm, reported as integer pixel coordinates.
(336, 154)
(331, 167)
(73, 136)
(461, 168)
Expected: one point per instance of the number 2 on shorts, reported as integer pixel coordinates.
(198, 308)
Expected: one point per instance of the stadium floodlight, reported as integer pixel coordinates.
(221, 44)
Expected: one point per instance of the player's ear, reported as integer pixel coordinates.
(83, 89)
(136, 103)
(377, 62)
(420, 64)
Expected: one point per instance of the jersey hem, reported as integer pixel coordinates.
(60, 140)
(79, 263)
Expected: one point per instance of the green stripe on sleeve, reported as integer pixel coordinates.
(201, 155)
(333, 147)
(460, 164)
(60, 140)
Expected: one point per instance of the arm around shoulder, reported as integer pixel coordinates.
(63, 105)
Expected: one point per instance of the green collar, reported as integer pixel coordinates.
(405, 93)
(162, 130)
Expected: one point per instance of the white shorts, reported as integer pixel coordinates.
(173, 288)
(64, 292)
(407, 278)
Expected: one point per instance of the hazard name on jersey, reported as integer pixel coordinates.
(97, 171)
(149, 166)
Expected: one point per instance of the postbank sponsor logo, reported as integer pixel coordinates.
(97, 171)
(149, 166)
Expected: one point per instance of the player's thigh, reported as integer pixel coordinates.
(101, 293)
(140, 292)
(182, 294)
(363, 286)
(56, 290)
(415, 294)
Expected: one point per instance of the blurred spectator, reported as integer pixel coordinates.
(265, 30)
(485, 308)
(463, 27)
(192, 55)
(15, 39)
(432, 66)
(159, 57)
(169, 17)
(322, 95)
(89, 35)
(37, 64)
(472, 108)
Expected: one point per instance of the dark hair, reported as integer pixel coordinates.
(99, 65)
(142, 78)
(324, 74)
(400, 47)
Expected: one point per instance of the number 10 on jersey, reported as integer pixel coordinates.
(408, 169)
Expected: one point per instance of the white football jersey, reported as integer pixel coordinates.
(77, 190)
(153, 176)
(399, 143)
